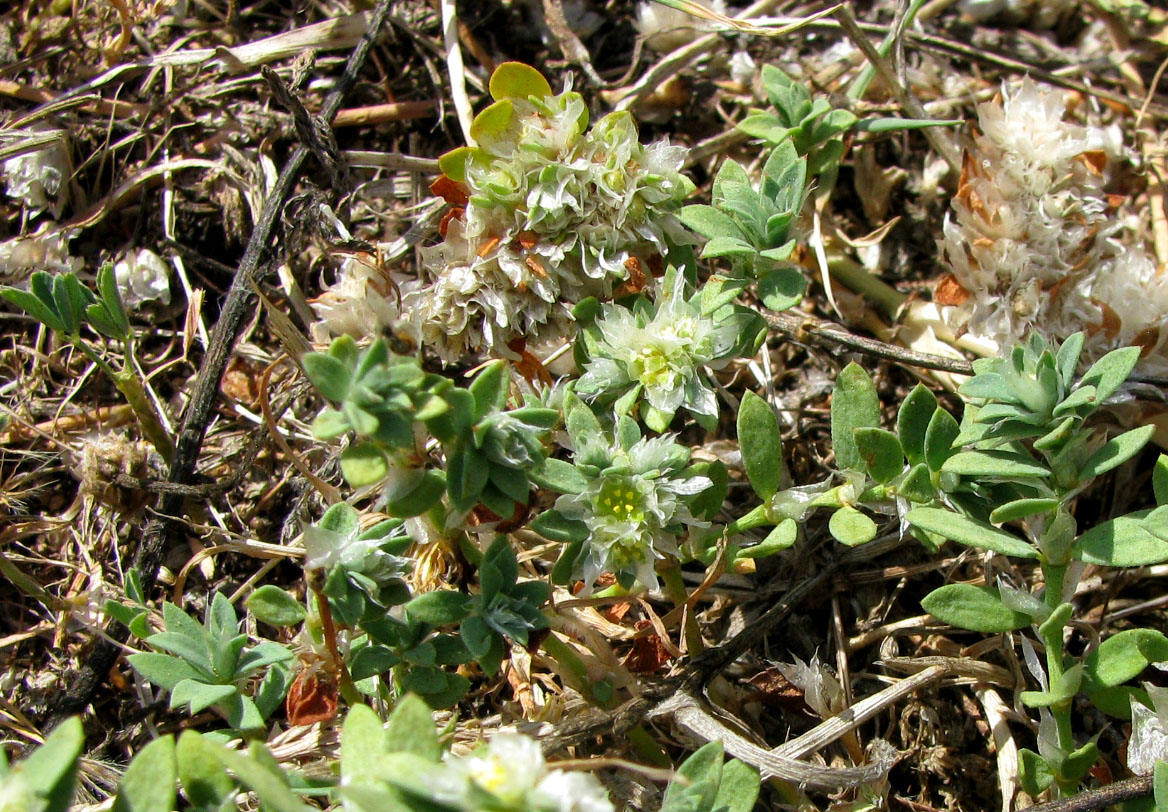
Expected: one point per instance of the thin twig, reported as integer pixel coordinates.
(1100, 798)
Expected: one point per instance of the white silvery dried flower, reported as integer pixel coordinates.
(362, 302)
(143, 277)
(39, 179)
(48, 250)
(1033, 243)
(1149, 732)
(548, 212)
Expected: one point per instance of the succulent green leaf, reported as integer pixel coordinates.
(1034, 772)
(111, 298)
(1125, 541)
(1021, 508)
(917, 485)
(1116, 451)
(161, 669)
(851, 527)
(1110, 371)
(515, 80)
(782, 288)
(970, 532)
(148, 785)
(979, 609)
(881, 452)
(275, 606)
(1123, 656)
(854, 405)
(327, 374)
(739, 787)
(761, 445)
(892, 124)
(1004, 464)
(782, 536)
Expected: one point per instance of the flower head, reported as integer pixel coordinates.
(549, 213)
(662, 349)
(1034, 243)
(633, 502)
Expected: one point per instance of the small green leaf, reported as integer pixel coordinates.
(148, 785)
(1109, 372)
(1125, 541)
(419, 499)
(728, 247)
(556, 526)
(327, 374)
(1034, 772)
(851, 527)
(364, 743)
(494, 124)
(912, 421)
(515, 80)
(364, 464)
(204, 781)
(1021, 508)
(854, 405)
(560, 476)
(1062, 690)
(708, 503)
(782, 289)
(371, 661)
(274, 606)
(490, 389)
(940, 434)
(970, 532)
(917, 485)
(1123, 656)
(892, 124)
(411, 730)
(111, 298)
(454, 163)
(438, 608)
(709, 222)
(1160, 479)
(881, 452)
(739, 787)
(46, 314)
(1004, 464)
(979, 609)
(161, 669)
(782, 536)
(1116, 451)
(761, 445)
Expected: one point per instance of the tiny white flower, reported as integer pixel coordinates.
(509, 767)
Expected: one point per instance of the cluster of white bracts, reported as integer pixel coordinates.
(1034, 242)
(553, 212)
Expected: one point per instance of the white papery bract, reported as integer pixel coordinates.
(554, 213)
(1034, 241)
